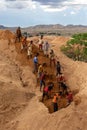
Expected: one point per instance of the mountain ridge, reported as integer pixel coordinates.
(50, 29)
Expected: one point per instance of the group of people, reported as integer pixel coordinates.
(47, 88)
(43, 46)
(39, 69)
(25, 44)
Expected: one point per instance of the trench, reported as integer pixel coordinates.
(51, 76)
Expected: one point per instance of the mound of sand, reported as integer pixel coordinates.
(6, 34)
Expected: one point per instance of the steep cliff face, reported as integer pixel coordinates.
(20, 108)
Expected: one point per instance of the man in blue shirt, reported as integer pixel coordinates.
(35, 61)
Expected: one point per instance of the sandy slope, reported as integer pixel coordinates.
(14, 97)
(25, 113)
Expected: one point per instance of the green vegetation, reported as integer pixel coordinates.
(76, 48)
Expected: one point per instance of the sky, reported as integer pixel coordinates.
(27, 13)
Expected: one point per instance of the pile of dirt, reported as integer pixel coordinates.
(6, 34)
(6, 38)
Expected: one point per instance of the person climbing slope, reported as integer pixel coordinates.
(35, 61)
(58, 68)
(45, 93)
(52, 58)
(46, 48)
(40, 43)
(18, 34)
(54, 101)
(30, 49)
(42, 80)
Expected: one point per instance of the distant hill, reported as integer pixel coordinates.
(56, 29)
(2, 27)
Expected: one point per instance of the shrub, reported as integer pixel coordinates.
(76, 48)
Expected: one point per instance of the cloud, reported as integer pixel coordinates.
(10, 0)
(60, 5)
(17, 4)
(50, 3)
(46, 5)
(54, 3)
(49, 9)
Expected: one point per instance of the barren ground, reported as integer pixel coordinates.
(20, 108)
